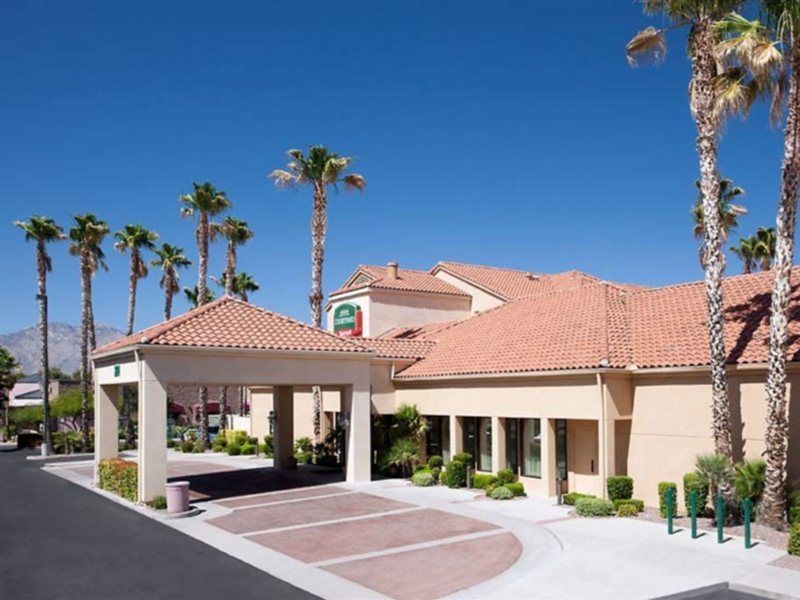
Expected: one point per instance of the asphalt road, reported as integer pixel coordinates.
(58, 540)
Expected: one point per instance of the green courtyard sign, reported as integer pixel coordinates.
(347, 320)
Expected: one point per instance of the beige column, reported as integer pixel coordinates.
(549, 470)
(498, 444)
(283, 440)
(106, 424)
(152, 435)
(456, 435)
(607, 454)
(356, 403)
(260, 405)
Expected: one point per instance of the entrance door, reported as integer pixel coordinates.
(561, 453)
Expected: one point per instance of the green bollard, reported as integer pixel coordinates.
(720, 518)
(748, 505)
(668, 498)
(693, 509)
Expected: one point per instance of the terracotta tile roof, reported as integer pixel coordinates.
(669, 323)
(231, 323)
(420, 332)
(559, 330)
(410, 280)
(512, 283)
(396, 348)
(606, 325)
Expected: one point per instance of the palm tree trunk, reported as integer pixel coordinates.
(202, 273)
(92, 328)
(703, 101)
(132, 278)
(85, 327)
(41, 265)
(223, 408)
(776, 438)
(319, 226)
(230, 268)
(169, 287)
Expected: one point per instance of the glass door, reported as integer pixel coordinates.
(561, 449)
(485, 429)
(512, 445)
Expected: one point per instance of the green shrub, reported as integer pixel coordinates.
(693, 482)
(403, 456)
(248, 448)
(620, 487)
(573, 497)
(516, 488)
(715, 471)
(199, 447)
(627, 510)
(436, 472)
(265, 450)
(482, 481)
(235, 436)
(233, 449)
(435, 462)
(419, 468)
(748, 479)
(794, 514)
(120, 477)
(506, 476)
(663, 486)
(219, 444)
(462, 457)
(637, 504)
(455, 475)
(269, 445)
(159, 503)
(594, 507)
(423, 479)
(187, 446)
(794, 540)
(501, 492)
(170, 443)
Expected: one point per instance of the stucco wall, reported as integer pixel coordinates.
(480, 300)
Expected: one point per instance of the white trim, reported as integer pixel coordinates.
(301, 354)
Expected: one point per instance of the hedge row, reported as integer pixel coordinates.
(120, 477)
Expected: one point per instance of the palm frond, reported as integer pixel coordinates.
(283, 179)
(354, 181)
(649, 44)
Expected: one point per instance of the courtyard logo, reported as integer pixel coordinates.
(347, 320)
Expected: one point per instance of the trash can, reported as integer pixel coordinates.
(177, 497)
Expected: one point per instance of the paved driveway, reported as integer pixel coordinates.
(58, 540)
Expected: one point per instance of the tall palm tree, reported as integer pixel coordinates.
(134, 239)
(43, 230)
(243, 284)
(729, 212)
(193, 295)
(204, 202)
(747, 253)
(170, 259)
(319, 169)
(237, 233)
(86, 237)
(713, 95)
(766, 240)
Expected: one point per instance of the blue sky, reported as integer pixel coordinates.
(500, 133)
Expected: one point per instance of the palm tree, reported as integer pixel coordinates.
(729, 212)
(713, 95)
(206, 201)
(9, 372)
(771, 52)
(86, 236)
(135, 238)
(243, 284)
(170, 259)
(192, 296)
(237, 233)
(766, 241)
(319, 169)
(747, 253)
(43, 230)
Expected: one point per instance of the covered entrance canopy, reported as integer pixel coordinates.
(228, 342)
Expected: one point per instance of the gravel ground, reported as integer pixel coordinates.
(759, 533)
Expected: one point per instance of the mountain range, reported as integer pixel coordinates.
(64, 341)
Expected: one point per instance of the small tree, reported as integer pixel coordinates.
(715, 471)
(404, 455)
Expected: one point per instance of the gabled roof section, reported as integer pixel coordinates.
(231, 323)
(411, 280)
(416, 332)
(508, 284)
(573, 329)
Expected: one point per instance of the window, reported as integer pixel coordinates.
(485, 442)
(531, 447)
(512, 444)
(438, 439)
(470, 443)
